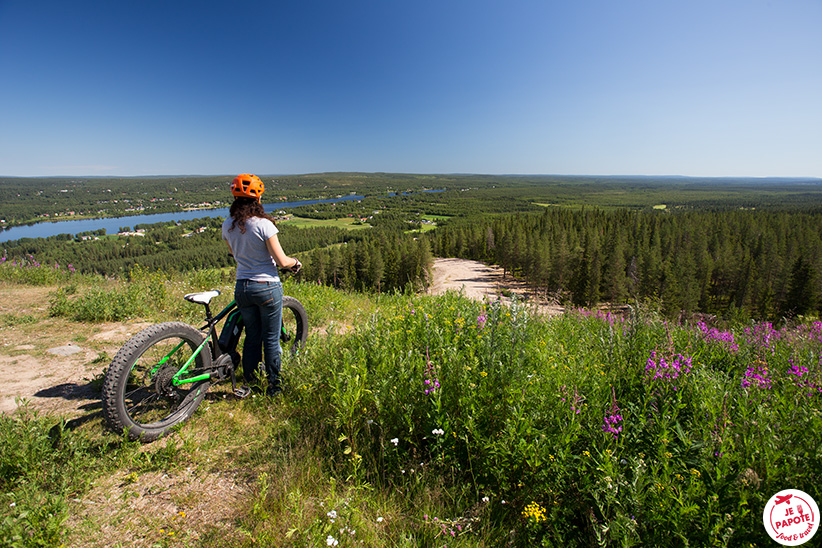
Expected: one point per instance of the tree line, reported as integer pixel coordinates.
(380, 259)
(766, 264)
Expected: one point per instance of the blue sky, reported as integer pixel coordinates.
(595, 87)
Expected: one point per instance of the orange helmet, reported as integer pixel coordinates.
(247, 186)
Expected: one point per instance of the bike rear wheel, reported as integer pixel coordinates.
(139, 394)
(295, 325)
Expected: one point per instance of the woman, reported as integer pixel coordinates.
(252, 239)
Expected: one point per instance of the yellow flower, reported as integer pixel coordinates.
(534, 511)
(483, 373)
(586, 453)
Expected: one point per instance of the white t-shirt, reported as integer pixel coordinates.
(254, 262)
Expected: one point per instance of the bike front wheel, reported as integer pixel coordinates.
(140, 393)
(295, 325)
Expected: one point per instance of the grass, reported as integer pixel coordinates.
(436, 421)
(348, 223)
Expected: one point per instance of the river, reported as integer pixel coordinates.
(113, 224)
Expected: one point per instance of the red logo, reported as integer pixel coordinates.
(791, 517)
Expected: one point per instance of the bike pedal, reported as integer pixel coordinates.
(242, 392)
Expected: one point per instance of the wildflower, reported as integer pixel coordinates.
(611, 425)
(796, 370)
(757, 376)
(612, 421)
(576, 401)
(438, 431)
(395, 441)
(485, 499)
(764, 336)
(481, 320)
(662, 368)
(332, 515)
(331, 541)
(431, 382)
(725, 338)
(380, 519)
(535, 512)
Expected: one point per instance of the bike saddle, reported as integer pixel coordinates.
(202, 298)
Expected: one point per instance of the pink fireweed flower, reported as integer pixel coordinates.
(757, 376)
(611, 422)
(481, 320)
(724, 338)
(671, 368)
(431, 383)
(764, 336)
(796, 370)
(576, 401)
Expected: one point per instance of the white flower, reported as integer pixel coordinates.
(380, 519)
(485, 499)
(332, 514)
(395, 441)
(438, 431)
(331, 541)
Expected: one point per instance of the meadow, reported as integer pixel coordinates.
(415, 420)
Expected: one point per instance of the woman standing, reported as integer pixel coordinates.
(252, 239)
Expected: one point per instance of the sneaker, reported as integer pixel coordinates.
(242, 392)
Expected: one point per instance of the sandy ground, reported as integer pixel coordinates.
(479, 281)
(474, 279)
(56, 366)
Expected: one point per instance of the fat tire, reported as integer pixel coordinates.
(300, 317)
(115, 407)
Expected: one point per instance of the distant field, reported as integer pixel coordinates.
(434, 219)
(349, 223)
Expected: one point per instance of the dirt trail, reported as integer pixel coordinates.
(479, 281)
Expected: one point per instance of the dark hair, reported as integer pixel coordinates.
(243, 208)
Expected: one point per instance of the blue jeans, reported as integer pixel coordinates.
(261, 305)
